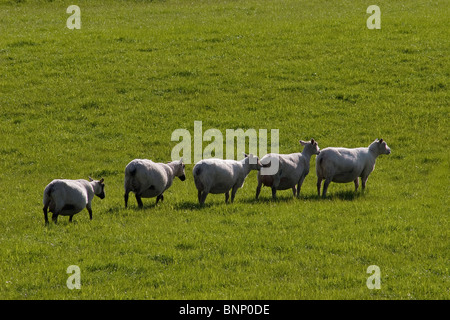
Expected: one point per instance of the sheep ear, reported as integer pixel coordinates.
(312, 141)
(245, 155)
(381, 141)
(181, 160)
(303, 143)
(90, 179)
(101, 180)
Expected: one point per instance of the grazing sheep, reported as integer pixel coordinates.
(344, 165)
(220, 176)
(148, 179)
(292, 169)
(68, 197)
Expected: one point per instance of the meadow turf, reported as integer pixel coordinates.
(79, 103)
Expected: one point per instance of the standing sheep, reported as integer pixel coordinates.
(68, 197)
(292, 169)
(147, 179)
(220, 176)
(344, 165)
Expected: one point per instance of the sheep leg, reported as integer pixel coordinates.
(45, 214)
(55, 217)
(275, 184)
(227, 195)
(70, 218)
(325, 187)
(88, 207)
(203, 198)
(126, 198)
(139, 201)
(258, 189)
(319, 182)
(293, 190)
(233, 193)
(299, 185)
(363, 182)
(160, 197)
(274, 193)
(199, 196)
(356, 181)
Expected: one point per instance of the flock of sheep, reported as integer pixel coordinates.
(147, 179)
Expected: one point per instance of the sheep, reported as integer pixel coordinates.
(67, 197)
(147, 179)
(292, 169)
(344, 165)
(220, 176)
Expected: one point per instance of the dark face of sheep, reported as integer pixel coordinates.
(315, 146)
(253, 162)
(99, 189)
(101, 195)
(181, 175)
(383, 147)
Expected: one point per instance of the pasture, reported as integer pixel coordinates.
(85, 102)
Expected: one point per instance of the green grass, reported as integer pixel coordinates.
(85, 102)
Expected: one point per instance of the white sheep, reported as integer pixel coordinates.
(292, 169)
(344, 165)
(220, 176)
(68, 197)
(147, 179)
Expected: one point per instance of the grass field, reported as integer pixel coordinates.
(79, 103)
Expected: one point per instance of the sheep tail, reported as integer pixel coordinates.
(198, 170)
(49, 190)
(48, 194)
(131, 170)
(319, 166)
(130, 179)
(197, 180)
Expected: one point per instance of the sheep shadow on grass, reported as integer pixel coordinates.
(341, 195)
(268, 199)
(348, 195)
(149, 205)
(192, 205)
